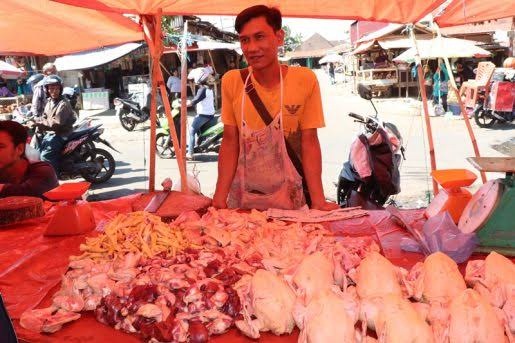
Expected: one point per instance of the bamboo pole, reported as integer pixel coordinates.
(152, 30)
(168, 110)
(462, 106)
(425, 107)
(184, 109)
(147, 29)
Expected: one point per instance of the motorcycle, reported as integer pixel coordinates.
(371, 175)
(72, 95)
(499, 106)
(131, 113)
(209, 137)
(81, 158)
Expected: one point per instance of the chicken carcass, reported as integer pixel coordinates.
(270, 299)
(398, 322)
(473, 319)
(375, 278)
(314, 274)
(325, 319)
(437, 279)
(494, 278)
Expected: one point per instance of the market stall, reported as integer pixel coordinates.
(38, 271)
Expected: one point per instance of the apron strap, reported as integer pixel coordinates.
(267, 119)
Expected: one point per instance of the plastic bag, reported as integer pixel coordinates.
(442, 234)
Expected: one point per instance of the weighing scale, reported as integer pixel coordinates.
(452, 198)
(491, 211)
(70, 217)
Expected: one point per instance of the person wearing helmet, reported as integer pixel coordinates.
(58, 121)
(204, 103)
(39, 95)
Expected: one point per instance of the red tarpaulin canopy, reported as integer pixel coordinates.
(461, 12)
(43, 27)
(400, 11)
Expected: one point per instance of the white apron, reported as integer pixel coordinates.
(265, 176)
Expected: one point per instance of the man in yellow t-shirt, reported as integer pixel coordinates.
(260, 34)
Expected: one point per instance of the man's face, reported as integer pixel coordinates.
(50, 71)
(260, 43)
(8, 152)
(54, 91)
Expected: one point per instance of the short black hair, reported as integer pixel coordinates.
(271, 14)
(16, 131)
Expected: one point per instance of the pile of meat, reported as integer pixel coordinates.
(258, 275)
(191, 295)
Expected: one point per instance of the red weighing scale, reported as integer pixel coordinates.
(71, 217)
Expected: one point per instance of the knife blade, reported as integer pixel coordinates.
(159, 198)
(156, 202)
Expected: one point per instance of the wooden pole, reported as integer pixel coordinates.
(425, 107)
(463, 110)
(149, 37)
(184, 109)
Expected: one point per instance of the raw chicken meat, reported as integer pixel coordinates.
(473, 319)
(269, 298)
(325, 319)
(48, 319)
(399, 322)
(494, 278)
(437, 279)
(314, 275)
(376, 277)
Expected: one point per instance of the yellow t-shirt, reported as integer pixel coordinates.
(302, 103)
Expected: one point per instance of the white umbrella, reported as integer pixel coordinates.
(331, 58)
(442, 47)
(8, 71)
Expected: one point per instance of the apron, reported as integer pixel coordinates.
(265, 176)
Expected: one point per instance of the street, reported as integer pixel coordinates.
(452, 146)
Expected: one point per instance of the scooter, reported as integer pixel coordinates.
(209, 137)
(71, 94)
(130, 112)
(500, 104)
(80, 157)
(371, 175)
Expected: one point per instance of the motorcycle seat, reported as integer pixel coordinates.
(212, 122)
(79, 133)
(132, 102)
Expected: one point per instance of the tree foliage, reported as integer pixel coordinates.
(291, 41)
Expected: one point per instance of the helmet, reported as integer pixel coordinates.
(35, 78)
(52, 80)
(200, 75)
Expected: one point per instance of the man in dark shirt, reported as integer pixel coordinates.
(18, 176)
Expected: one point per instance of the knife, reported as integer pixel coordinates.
(159, 198)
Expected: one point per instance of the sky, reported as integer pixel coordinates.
(330, 29)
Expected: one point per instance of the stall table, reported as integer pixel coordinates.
(32, 266)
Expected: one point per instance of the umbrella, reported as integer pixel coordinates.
(397, 11)
(8, 71)
(43, 27)
(442, 47)
(331, 58)
(460, 12)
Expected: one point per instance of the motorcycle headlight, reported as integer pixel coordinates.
(100, 131)
(117, 102)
